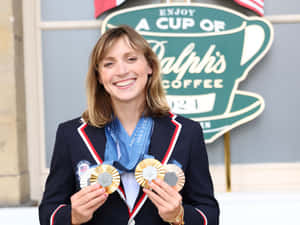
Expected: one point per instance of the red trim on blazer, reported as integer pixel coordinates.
(203, 215)
(173, 140)
(55, 211)
(89, 143)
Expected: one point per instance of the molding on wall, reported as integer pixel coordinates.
(258, 177)
(67, 25)
(34, 96)
(95, 24)
(275, 19)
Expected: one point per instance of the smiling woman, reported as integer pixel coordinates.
(123, 65)
(124, 73)
(126, 123)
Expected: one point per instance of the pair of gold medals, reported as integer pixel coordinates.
(146, 171)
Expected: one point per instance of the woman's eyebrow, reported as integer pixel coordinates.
(125, 54)
(108, 58)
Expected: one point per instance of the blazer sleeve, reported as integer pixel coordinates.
(200, 205)
(55, 207)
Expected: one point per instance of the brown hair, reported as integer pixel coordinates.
(99, 106)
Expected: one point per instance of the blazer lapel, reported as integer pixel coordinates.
(94, 139)
(165, 134)
(164, 138)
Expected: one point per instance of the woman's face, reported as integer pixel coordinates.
(124, 73)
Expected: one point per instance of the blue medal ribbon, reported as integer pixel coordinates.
(123, 151)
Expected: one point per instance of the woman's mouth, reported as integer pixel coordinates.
(125, 83)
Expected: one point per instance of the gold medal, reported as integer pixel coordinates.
(107, 176)
(174, 176)
(148, 170)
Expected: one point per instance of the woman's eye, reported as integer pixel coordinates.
(132, 59)
(107, 64)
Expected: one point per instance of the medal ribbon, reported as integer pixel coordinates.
(123, 151)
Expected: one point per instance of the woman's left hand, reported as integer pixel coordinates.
(166, 199)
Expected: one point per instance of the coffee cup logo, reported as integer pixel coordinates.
(205, 52)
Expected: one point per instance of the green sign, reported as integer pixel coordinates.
(205, 52)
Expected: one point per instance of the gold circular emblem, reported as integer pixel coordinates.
(148, 170)
(174, 176)
(107, 176)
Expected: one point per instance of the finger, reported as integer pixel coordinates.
(166, 191)
(166, 187)
(92, 195)
(161, 192)
(171, 196)
(164, 209)
(97, 202)
(156, 199)
(155, 203)
(86, 190)
(88, 196)
(89, 207)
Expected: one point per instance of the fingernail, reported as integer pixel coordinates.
(154, 182)
(98, 185)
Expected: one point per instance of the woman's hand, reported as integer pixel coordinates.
(85, 202)
(166, 199)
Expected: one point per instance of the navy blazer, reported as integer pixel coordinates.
(174, 137)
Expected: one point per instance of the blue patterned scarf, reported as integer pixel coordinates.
(124, 151)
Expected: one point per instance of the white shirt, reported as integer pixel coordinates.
(131, 188)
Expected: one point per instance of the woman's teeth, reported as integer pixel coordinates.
(124, 83)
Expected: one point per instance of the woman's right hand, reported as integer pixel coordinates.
(85, 202)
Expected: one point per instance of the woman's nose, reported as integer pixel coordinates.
(122, 68)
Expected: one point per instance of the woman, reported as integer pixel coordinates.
(127, 118)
